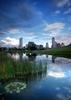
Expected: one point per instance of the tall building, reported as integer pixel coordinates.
(47, 45)
(54, 44)
(20, 42)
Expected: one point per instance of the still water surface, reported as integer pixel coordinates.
(52, 82)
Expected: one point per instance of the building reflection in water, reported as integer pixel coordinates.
(21, 56)
(47, 55)
(53, 59)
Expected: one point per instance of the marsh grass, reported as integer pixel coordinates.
(11, 68)
(63, 52)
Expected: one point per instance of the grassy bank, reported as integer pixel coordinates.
(65, 51)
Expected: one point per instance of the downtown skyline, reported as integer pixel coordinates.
(35, 20)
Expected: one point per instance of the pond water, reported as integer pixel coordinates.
(45, 77)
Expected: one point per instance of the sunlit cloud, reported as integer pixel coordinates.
(14, 42)
(14, 31)
(54, 26)
(8, 41)
(65, 39)
(56, 74)
(20, 32)
(54, 29)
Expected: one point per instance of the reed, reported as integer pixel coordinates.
(11, 68)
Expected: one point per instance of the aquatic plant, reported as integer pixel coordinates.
(10, 68)
(16, 87)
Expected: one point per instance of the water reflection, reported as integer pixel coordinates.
(56, 74)
(31, 57)
(19, 66)
(22, 56)
(43, 74)
(53, 59)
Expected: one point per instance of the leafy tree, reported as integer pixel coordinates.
(31, 46)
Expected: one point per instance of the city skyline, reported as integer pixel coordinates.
(35, 20)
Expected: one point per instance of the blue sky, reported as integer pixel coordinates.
(35, 20)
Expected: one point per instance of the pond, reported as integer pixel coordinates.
(34, 77)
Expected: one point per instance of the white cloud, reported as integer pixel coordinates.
(27, 36)
(61, 3)
(14, 31)
(54, 28)
(57, 12)
(30, 33)
(20, 32)
(66, 39)
(30, 38)
(14, 42)
(56, 74)
(8, 41)
(67, 11)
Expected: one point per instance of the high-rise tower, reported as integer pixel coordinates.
(20, 42)
(54, 44)
(47, 45)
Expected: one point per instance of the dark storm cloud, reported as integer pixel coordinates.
(16, 13)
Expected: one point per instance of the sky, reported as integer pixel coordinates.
(35, 20)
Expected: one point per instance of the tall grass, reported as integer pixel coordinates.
(64, 51)
(10, 68)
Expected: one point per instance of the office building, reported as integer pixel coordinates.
(20, 42)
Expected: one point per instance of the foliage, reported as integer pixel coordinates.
(31, 46)
(10, 68)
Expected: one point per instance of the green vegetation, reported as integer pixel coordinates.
(65, 51)
(10, 68)
(33, 48)
(6, 69)
(15, 87)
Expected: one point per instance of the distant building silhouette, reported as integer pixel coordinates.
(58, 45)
(54, 44)
(53, 59)
(47, 46)
(20, 42)
(62, 44)
(39, 46)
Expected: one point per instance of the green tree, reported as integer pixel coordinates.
(31, 46)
